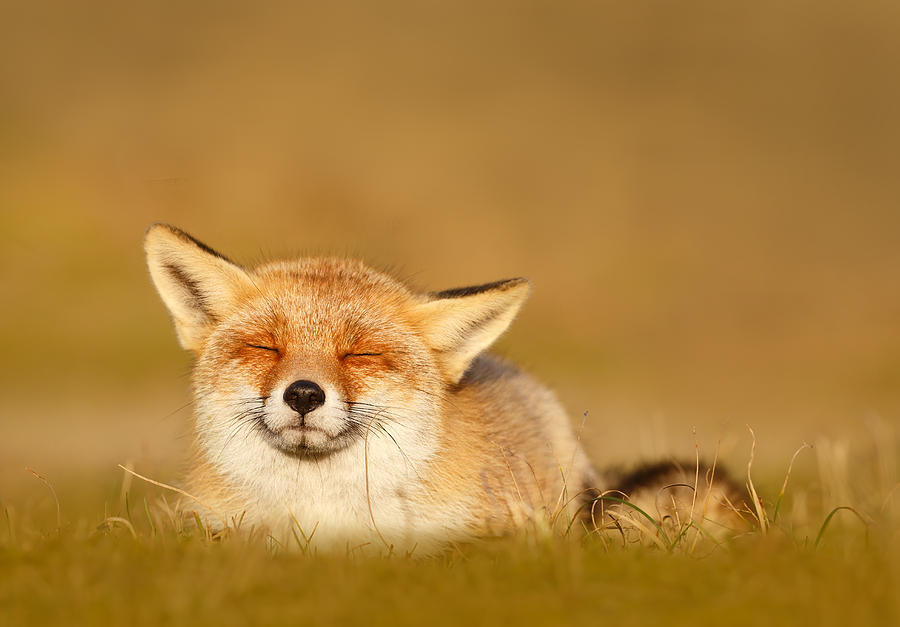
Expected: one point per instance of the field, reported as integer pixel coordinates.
(705, 196)
(140, 567)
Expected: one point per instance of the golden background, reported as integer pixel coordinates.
(704, 194)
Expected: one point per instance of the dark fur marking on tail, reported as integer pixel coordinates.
(648, 475)
(664, 473)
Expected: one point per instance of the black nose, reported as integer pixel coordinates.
(304, 396)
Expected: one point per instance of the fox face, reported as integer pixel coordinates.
(306, 359)
(311, 362)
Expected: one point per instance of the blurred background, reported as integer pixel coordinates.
(704, 194)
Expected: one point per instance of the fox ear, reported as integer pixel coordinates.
(197, 284)
(458, 324)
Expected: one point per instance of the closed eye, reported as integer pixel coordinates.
(265, 348)
(362, 355)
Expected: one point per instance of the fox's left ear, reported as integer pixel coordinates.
(197, 284)
(458, 324)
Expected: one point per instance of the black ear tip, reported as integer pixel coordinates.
(495, 286)
(520, 283)
(160, 228)
(163, 229)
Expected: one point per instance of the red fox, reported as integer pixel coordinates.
(333, 400)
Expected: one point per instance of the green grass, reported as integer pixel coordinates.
(135, 564)
(113, 578)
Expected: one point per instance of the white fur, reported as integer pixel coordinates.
(326, 495)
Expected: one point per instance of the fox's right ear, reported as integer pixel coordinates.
(458, 324)
(197, 284)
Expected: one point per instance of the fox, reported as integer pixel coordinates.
(333, 401)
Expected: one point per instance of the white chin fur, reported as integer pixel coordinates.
(338, 494)
(305, 439)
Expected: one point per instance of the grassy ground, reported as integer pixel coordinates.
(136, 564)
(118, 580)
(83, 576)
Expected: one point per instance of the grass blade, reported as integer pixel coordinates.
(149, 516)
(55, 497)
(656, 525)
(831, 515)
(786, 477)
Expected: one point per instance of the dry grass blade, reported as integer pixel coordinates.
(307, 539)
(389, 547)
(574, 518)
(514, 513)
(887, 499)
(696, 477)
(150, 517)
(200, 526)
(661, 543)
(709, 490)
(109, 521)
(10, 529)
(44, 480)
(757, 503)
(787, 476)
(564, 491)
(126, 481)
(177, 490)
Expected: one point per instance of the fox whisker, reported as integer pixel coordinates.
(373, 426)
(381, 411)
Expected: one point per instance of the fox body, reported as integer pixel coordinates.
(332, 399)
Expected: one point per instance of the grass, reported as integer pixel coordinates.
(112, 577)
(140, 563)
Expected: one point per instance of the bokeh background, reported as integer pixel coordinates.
(705, 195)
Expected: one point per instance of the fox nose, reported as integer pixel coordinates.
(304, 396)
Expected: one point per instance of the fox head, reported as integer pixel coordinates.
(306, 357)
